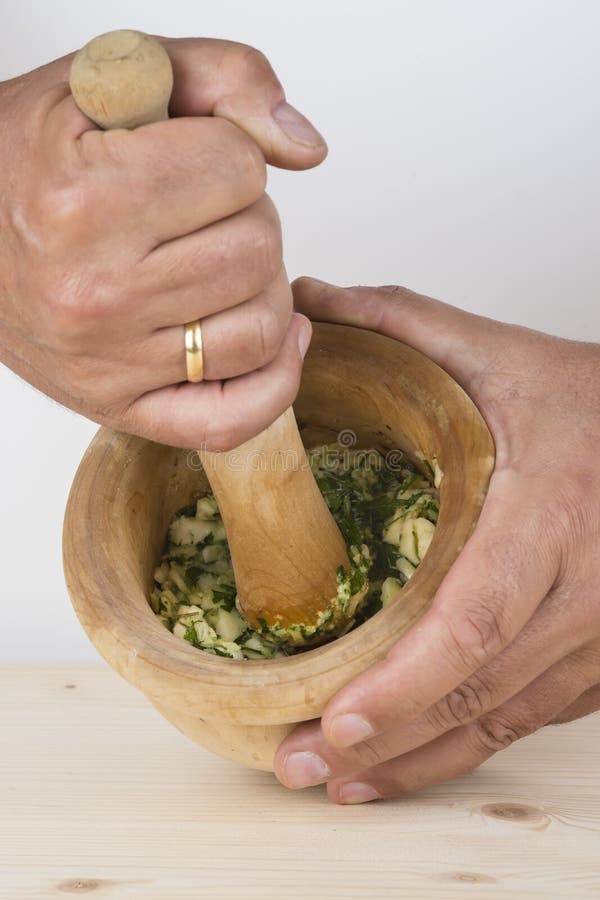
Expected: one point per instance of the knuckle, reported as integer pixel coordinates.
(252, 64)
(396, 293)
(270, 333)
(368, 754)
(267, 246)
(587, 664)
(465, 703)
(64, 208)
(480, 632)
(74, 311)
(395, 290)
(494, 732)
(575, 514)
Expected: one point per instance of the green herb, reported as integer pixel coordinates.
(351, 531)
(192, 575)
(384, 565)
(429, 468)
(190, 635)
(225, 595)
(263, 625)
(357, 580)
(225, 591)
(362, 494)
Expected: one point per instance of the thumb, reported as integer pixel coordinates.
(236, 82)
(460, 342)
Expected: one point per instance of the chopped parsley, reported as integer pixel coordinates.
(386, 515)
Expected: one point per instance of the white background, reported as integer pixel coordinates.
(464, 162)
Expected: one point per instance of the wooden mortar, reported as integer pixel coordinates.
(127, 489)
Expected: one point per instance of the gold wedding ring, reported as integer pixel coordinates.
(194, 359)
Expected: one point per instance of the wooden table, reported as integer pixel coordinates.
(100, 796)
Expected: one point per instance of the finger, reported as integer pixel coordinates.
(234, 342)
(588, 703)
(133, 190)
(549, 637)
(215, 269)
(211, 270)
(466, 748)
(236, 82)
(441, 331)
(465, 345)
(491, 591)
(167, 179)
(221, 415)
(219, 78)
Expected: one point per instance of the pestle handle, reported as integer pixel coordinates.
(122, 79)
(285, 546)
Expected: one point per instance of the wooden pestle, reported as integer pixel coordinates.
(285, 546)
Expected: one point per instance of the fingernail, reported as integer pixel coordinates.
(349, 729)
(304, 769)
(296, 126)
(304, 338)
(358, 792)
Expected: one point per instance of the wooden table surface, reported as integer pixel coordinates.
(100, 796)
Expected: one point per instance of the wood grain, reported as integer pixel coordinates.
(100, 797)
